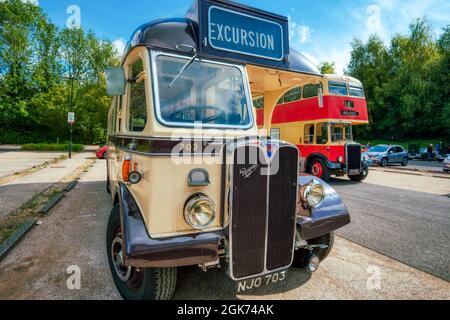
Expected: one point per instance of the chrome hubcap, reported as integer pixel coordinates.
(122, 271)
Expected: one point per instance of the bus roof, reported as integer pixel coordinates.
(180, 35)
(342, 78)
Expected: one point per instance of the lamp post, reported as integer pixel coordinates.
(71, 113)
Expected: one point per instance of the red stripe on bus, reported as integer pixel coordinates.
(334, 107)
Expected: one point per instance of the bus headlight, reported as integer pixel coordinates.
(314, 194)
(199, 211)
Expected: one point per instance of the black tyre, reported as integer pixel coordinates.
(135, 283)
(301, 255)
(384, 162)
(405, 162)
(318, 168)
(360, 177)
(105, 155)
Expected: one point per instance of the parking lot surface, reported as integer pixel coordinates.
(12, 162)
(19, 191)
(74, 235)
(412, 226)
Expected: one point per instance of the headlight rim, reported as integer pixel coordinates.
(307, 193)
(194, 201)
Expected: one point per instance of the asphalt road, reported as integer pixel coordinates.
(410, 226)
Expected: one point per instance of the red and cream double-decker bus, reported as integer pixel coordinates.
(318, 118)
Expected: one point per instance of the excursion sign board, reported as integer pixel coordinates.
(245, 34)
(233, 31)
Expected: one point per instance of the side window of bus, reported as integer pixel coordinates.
(322, 133)
(293, 95)
(137, 106)
(356, 91)
(258, 103)
(309, 134)
(113, 118)
(311, 90)
(338, 88)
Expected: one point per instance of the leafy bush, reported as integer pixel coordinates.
(52, 147)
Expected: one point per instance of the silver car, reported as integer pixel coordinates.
(446, 164)
(385, 155)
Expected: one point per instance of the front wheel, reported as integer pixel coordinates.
(405, 162)
(360, 177)
(384, 162)
(135, 283)
(319, 169)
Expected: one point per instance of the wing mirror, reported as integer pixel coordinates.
(115, 81)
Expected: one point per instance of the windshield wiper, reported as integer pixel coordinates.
(185, 66)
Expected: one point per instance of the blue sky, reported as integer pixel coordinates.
(321, 29)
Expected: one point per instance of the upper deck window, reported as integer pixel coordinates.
(291, 96)
(356, 90)
(311, 90)
(338, 88)
(258, 103)
(206, 93)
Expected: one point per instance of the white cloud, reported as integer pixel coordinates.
(304, 33)
(301, 33)
(119, 44)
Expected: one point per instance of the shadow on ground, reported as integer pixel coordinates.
(216, 284)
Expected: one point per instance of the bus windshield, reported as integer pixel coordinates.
(206, 93)
(338, 88)
(341, 132)
(356, 90)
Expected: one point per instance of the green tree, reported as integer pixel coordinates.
(327, 67)
(406, 83)
(36, 60)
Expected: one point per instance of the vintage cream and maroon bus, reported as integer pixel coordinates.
(192, 181)
(318, 117)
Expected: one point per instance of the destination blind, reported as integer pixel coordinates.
(245, 34)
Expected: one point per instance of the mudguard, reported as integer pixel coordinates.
(143, 251)
(331, 215)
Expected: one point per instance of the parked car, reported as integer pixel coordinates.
(415, 152)
(385, 155)
(101, 152)
(446, 164)
(424, 154)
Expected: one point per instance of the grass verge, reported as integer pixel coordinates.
(11, 222)
(52, 147)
